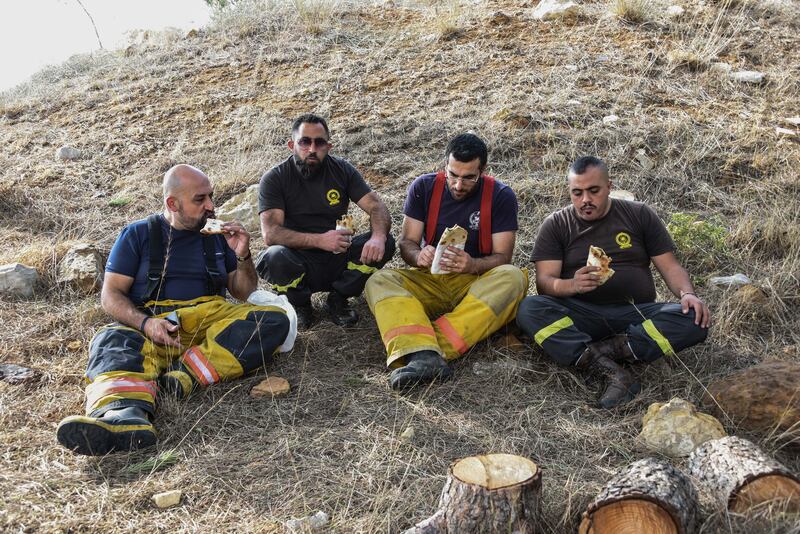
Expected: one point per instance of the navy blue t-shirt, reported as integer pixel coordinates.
(465, 213)
(185, 277)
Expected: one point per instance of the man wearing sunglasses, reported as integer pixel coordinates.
(300, 201)
(427, 319)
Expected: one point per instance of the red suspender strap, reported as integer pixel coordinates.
(433, 208)
(485, 225)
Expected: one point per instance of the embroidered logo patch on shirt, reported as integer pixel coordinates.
(333, 197)
(474, 220)
(623, 240)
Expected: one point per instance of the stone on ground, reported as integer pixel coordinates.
(274, 386)
(622, 194)
(82, 267)
(312, 522)
(675, 11)
(243, 208)
(17, 280)
(747, 76)
(556, 9)
(763, 399)
(167, 498)
(68, 153)
(675, 428)
(16, 374)
(735, 280)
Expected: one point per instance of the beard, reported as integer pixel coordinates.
(307, 169)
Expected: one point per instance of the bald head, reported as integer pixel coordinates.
(178, 177)
(187, 197)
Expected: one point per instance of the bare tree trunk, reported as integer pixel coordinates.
(487, 494)
(741, 476)
(647, 496)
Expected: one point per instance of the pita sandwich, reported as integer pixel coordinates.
(598, 258)
(345, 223)
(213, 226)
(454, 236)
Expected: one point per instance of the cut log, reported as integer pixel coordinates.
(741, 476)
(764, 399)
(647, 496)
(491, 493)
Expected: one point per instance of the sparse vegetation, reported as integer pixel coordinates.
(633, 11)
(395, 90)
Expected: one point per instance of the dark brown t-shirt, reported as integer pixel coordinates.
(631, 233)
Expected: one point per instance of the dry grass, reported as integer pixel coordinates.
(633, 11)
(395, 91)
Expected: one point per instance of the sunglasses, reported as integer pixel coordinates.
(306, 142)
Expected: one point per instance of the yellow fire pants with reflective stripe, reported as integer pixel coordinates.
(449, 313)
(220, 341)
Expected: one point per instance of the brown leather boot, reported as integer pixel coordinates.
(621, 386)
(616, 348)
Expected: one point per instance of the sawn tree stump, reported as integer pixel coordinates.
(741, 476)
(647, 496)
(487, 494)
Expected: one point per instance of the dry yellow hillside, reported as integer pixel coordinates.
(397, 78)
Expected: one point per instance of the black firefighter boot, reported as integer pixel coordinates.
(124, 429)
(422, 366)
(616, 348)
(338, 307)
(621, 386)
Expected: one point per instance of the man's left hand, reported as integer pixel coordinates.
(373, 250)
(455, 260)
(702, 315)
(237, 237)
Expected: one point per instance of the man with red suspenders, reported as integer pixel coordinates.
(426, 319)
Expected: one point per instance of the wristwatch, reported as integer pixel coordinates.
(240, 259)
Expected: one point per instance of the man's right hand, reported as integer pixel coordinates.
(585, 279)
(425, 256)
(335, 240)
(162, 332)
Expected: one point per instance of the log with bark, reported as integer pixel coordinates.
(647, 496)
(487, 494)
(741, 476)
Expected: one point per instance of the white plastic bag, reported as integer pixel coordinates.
(261, 297)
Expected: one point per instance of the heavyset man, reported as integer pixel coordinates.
(597, 327)
(480, 291)
(300, 201)
(165, 285)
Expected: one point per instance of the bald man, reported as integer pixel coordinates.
(165, 285)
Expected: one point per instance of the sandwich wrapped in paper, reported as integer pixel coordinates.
(451, 237)
(213, 226)
(598, 258)
(345, 223)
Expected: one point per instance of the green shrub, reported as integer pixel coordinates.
(701, 243)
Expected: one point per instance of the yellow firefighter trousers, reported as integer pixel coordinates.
(468, 308)
(221, 341)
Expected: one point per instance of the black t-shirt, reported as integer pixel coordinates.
(311, 204)
(630, 234)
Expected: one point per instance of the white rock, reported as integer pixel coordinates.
(167, 499)
(675, 11)
(792, 121)
(644, 161)
(82, 267)
(736, 280)
(785, 132)
(68, 153)
(408, 434)
(556, 9)
(313, 522)
(243, 208)
(747, 76)
(17, 280)
(573, 102)
(720, 67)
(571, 68)
(610, 119)
(622, 194)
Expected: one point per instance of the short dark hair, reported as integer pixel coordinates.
(583, 163)
(311, 119)
(466, 147)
